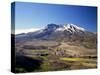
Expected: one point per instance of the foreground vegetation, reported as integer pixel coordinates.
(48, 63)
(40, 56)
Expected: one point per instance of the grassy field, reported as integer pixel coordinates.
(53, 63)
(52, 56)
(85, 62)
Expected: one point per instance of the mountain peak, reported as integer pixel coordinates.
(57, 32)
(75, 26)
(63, 27)
(52, 26)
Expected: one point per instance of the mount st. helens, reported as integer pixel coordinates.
(58, 47)
(67, 32)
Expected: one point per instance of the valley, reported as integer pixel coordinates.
(56, 56)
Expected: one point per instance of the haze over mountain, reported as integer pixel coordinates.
(19, 31)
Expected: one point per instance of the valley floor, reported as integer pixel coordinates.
(64, 56)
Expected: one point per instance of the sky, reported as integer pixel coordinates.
(37, 15)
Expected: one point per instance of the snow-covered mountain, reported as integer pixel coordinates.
(69, 27)
(56, 32)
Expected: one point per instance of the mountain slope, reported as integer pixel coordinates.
(67, 32)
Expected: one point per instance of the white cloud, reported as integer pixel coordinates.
(18, 31)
